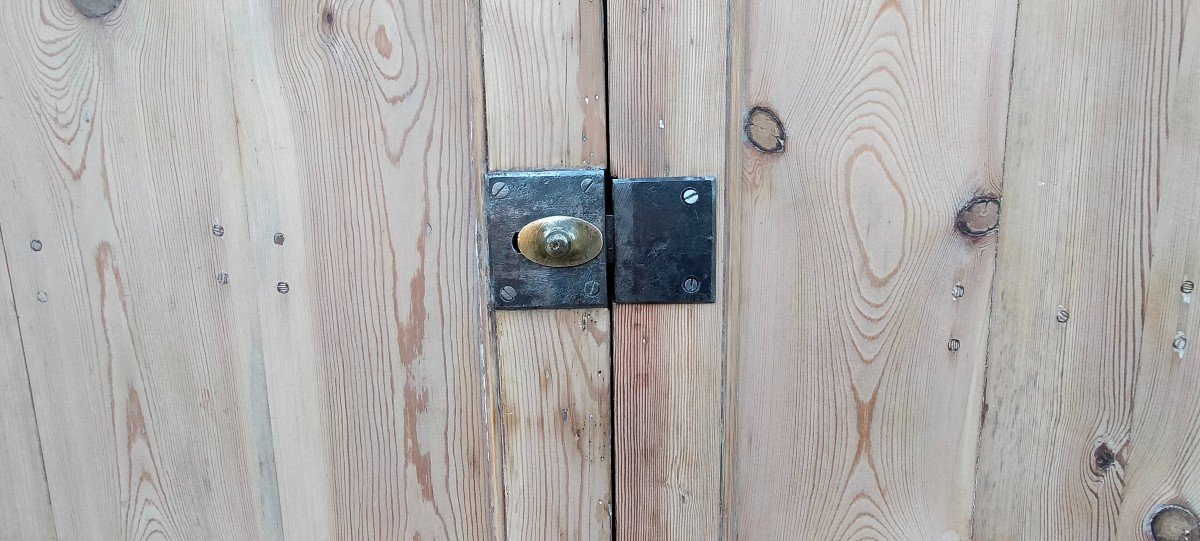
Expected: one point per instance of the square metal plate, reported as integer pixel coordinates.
(664, 240)
(515, 198)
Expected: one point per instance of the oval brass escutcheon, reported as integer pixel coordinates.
(560, 241)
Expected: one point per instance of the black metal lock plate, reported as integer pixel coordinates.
(664, 240)
(516, 198)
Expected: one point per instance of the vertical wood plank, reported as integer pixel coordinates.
(361, 136)
(1090, 411)
(667, 79)
(120, 137)
(852, 415)
(545, 87)
(24, 498)
(1162, 464)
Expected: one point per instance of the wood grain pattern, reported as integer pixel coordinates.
(338, 148)
(554, 388)
(1091, 422)
(667, 79)
(544, 76)
(360, 128)
(1162, 464)
(851, 417)
(24, 499)
(120, 137)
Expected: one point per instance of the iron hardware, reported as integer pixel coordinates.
(552, 245)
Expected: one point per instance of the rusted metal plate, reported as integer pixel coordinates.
(664, 240)
(517, 198)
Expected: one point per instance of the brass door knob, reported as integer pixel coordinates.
(560, 241)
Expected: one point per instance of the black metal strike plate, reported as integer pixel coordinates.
(664, 240)
(516, 198)
(659, 237)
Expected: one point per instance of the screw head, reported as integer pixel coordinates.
(283, 287)
(508, 293)
(35, 245)
(1188, 286)
(222, 278)
(953, 345)
(958, 291)
(1062, 315)
(279, 239)
(1180, 343)
(691, 285)
(592, 288)
(42, 296)
(691, 196)
(218, 231)
(500, 189)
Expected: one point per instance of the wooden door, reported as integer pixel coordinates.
(958, 244)
(245, 262)
(245, 281)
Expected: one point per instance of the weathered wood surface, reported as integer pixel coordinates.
(360, 127)
(667, 78)
(850, 414)
(120, 140)
(24, 499)
(544, 76)
(1091, 413)
(353, 131)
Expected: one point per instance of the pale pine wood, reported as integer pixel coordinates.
(24, 499)
(667, 79)
(544, 77)
(360, 128)
(1091, 422)
(545, 74)
(554, 388)
(120, 141)
(1161, 463)
(850, 417)
(356, 132)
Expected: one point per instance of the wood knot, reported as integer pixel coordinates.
(764, 130)
(1104, 457)
(1172, 522)
(95, 8)
(979, 217)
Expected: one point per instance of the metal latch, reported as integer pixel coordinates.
(551, 243)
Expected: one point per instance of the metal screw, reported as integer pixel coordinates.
(1179, 344)
(218, 231)
(958, 291)
(691, 196)
(1188, 286)
(953, 345)
(592, 288)
(500, 190)
(42, 296)
(586, 184)
(507, 293)
(222, 278)
(282, 287)
(279, 239)
(691, 285)
(35, 245)
(1062, 315)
